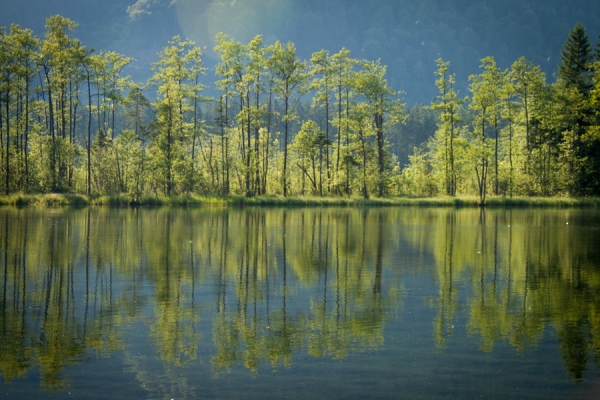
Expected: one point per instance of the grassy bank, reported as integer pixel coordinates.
(53, 200)
(47, 200)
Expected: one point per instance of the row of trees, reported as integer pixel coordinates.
(42, 86)
(67, 125)
(515, 133)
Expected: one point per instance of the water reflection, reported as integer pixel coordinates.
(524, 272)
(293, 281)
(257, 287)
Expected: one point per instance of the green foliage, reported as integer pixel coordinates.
(577, 57)
(501, 273)
(515, 135)
(449, 104)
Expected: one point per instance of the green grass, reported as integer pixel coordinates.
(47, 200)
(121, 200)
(540, 202)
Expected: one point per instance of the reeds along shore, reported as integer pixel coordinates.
(53, 200)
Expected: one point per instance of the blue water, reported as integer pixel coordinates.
(299, 303)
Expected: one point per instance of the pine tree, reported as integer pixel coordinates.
(577, 72)
(577, 57)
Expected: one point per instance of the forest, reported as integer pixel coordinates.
(71, 121)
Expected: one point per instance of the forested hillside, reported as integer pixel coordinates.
(255, 114)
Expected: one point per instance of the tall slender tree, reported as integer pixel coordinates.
(175, 80)
(58, 61)
(385, 108)
(115, 83)
(528, 81)
(343, 75)
(24, 48)
(323, 79)
(257, 77)
(509, 111)
(8, 72)
(448, 103)
(232, 69)
(290, 76)
(486, 93)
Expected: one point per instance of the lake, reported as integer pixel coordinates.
(172, 303)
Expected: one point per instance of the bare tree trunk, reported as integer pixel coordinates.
(7, 105)
(285, 147)
(89, 136)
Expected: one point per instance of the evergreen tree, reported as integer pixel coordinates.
(576, 60)
(577, 73)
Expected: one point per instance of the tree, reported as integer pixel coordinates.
(17, 68)
(509, 110)
(175, 78)
(590, 177)
(343, 75)
(309, 143)
(486, 93)
(528, 81)
(289, 73)
(232, 68)
(136, 106)
(547, 136)
(221, 123)
(105, 69)
(417, 179)
(323, 75)
(363, 129)
(576, 80)
(88, 75)
(114, 84)
(386, 110)
(577, 58)
(8, 71)
(448, 102)
(257, 74)
(59, 59)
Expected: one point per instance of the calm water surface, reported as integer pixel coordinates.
(299, 303)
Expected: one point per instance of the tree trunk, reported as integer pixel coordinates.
(285, 147)
(7, 105)
(89, 136)
(380, 153)
(25, 147)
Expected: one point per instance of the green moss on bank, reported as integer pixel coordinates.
(53, 200)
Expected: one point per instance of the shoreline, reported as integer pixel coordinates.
(77, 200)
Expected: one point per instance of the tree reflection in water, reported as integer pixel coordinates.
(256, 287)
(254, 325)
